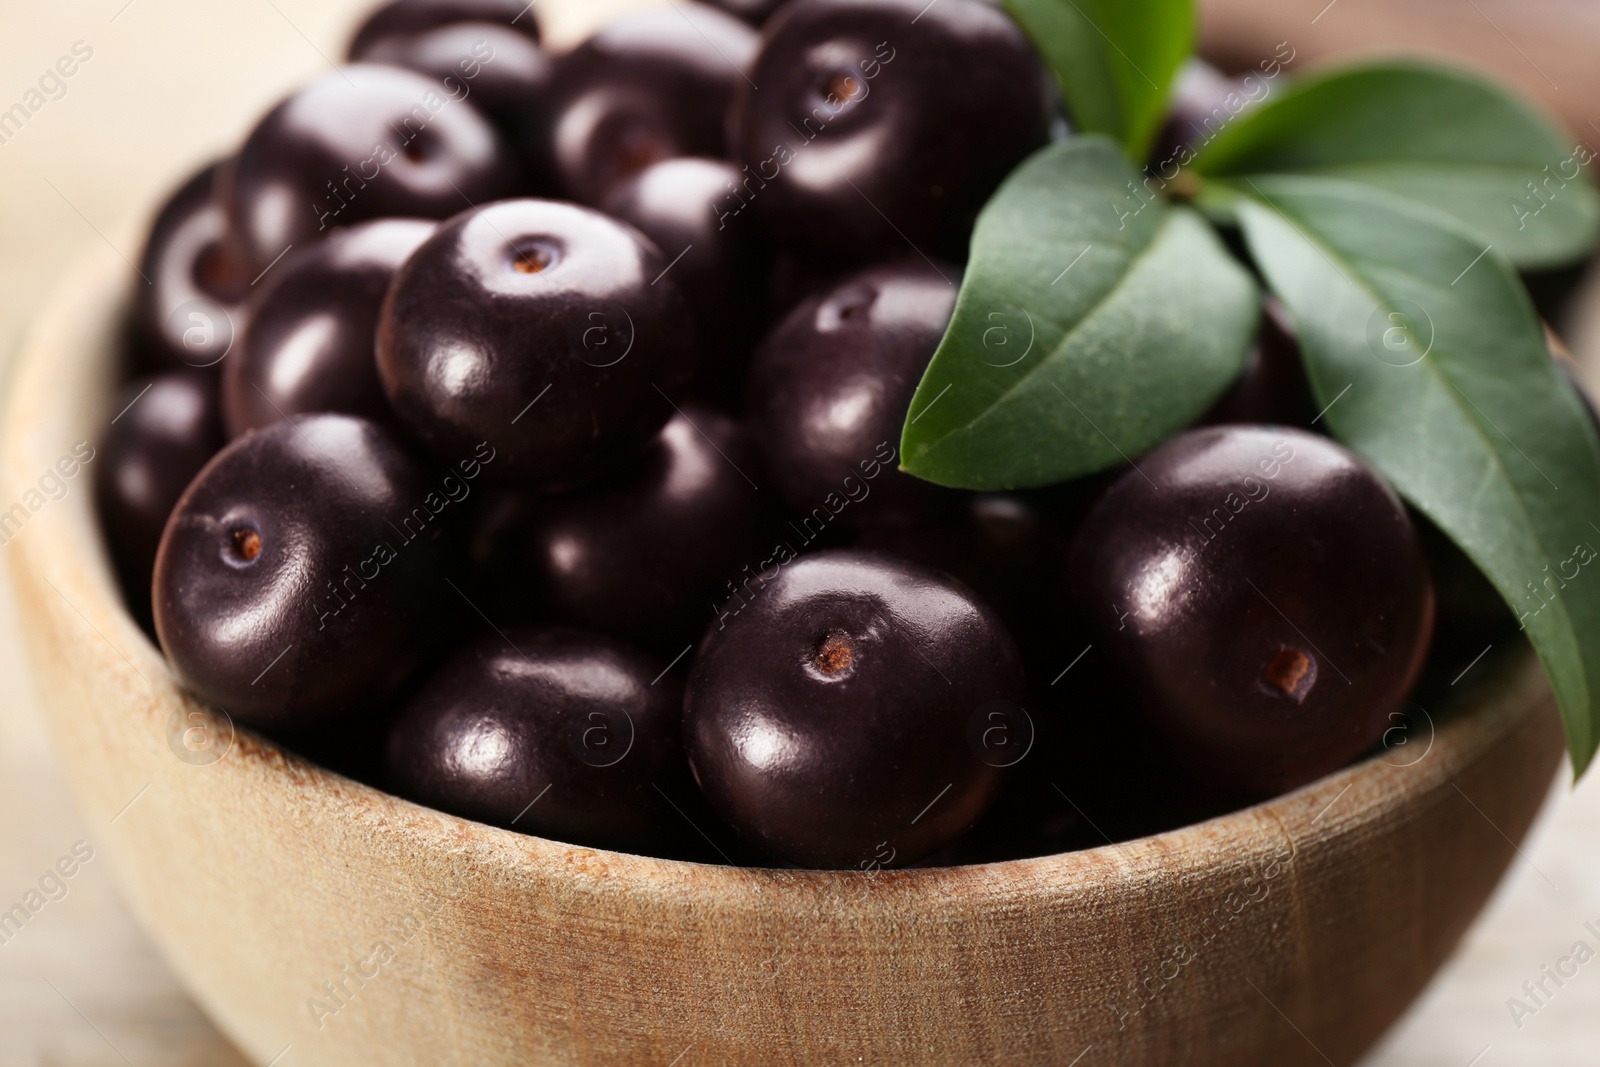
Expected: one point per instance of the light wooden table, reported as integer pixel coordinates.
(172, 82)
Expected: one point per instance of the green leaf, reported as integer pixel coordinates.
(1433, 135)
(1092, 324)
(1434, 367)
(1115, 60)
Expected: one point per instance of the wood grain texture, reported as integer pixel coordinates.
(1290, 933)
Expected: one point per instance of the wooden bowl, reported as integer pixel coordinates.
(312, 914)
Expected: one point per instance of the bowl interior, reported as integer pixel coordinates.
(304, 908)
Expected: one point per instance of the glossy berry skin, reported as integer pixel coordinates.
(1204, 101)
(649, 553)
(831, 385)
(830, 720)
(647, 87)
(407, 18)
(1471, 614)
(882, 122)
(1272, 388)
(534, 325)
(191, 311)
(551, 731)
(362, 142)
(505, 74)
(797, 274)
(166, 428)
(298, 578)
(689, 208)
(310, 343)
(998, 545)
(755, 12)
(1263, 597)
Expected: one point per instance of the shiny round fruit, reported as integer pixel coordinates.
(831, 721)
(998, 544)
(362, 142)
(1273, 387)
(831, 385)
(881, 126)
(1262, 595)
(309, 345)
(650, 86)
(1470, 613)
(406, 18)
(503, 73)
(691, 209)
(550, 731)
(755, 12)
(650, 553)
(1204, 102)
(796, 274)
(543, 328)
(190, 311)
(165, 429)
(298, 579)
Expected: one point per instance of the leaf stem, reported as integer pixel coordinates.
(1185, 186)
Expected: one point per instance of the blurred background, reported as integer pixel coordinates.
(172, 83)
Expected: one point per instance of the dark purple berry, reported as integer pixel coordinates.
(407, 18)
(1272, 388)
(1261, 595)
(165, 430)
(882, 126)
(503, 73)
(650, 553)
(689, 208)
(998, 544)
(543, 328)
(1471, 615)
(310, 343)
(831, 385)
(1204, 102)
(755, 12)
(551, 731)
(363, 142)
(189, 309)
(837, 719)
(650, 86)
(298, 578)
